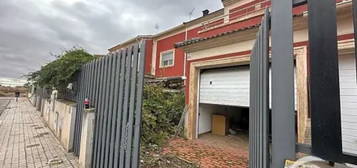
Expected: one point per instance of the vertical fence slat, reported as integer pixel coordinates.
(118, 137)
(111, 68)
(100, 112)
(88, 83)
(324, 81)
(104, 110)
(91, 81)
(131, 104)
(115, 109)
(283, 106)
(138, 105)
(78, 110)
(124, 130)
(81, 109)
(94, 101)
(97, 118)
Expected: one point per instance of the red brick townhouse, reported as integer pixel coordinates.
(212, 55)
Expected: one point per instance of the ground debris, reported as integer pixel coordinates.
(32, 145)
(53, 162)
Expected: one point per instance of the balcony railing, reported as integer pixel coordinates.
(237, 14)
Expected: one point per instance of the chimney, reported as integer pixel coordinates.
(205, 12)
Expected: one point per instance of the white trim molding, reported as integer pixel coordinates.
(173, 58)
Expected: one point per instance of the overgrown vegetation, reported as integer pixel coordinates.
(60, 72)
(162, 111)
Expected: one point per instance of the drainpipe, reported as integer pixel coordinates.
(185, 59)
(186, 38)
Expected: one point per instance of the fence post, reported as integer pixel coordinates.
(283, 112)
(324, 80)
(85, 154)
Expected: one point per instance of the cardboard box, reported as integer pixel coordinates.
(219, 125)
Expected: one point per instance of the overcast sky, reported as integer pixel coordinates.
(32, 29)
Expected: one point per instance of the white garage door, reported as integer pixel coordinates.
(348, 91)
(226, 86)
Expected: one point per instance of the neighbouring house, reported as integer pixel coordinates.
(211, 54)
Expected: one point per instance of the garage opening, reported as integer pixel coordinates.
(223, 101)
(223, 117)
(226, 126)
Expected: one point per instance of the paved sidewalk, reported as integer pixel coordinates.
(26, 142)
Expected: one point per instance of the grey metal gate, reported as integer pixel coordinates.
(282, 125)
(114, 86)
(324, 97)
(259, 98)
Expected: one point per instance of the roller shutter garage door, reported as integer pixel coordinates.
(348, 92)
(226, 86)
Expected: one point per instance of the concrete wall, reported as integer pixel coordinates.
(47, 108)
(65, 113)
(60, 117)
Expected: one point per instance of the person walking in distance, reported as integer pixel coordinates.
(17, 95)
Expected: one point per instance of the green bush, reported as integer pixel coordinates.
(162, 111)
(61, 71)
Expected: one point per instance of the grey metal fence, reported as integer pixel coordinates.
(114, 86)
(41, 93)
(259, 98)
(69, 94)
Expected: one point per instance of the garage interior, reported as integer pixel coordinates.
(224, 126)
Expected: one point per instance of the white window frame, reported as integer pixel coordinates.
(173, 58)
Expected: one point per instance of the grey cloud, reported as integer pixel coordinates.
(32, 29)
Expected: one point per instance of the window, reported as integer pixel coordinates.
(167, 58)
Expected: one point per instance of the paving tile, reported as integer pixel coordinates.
(207, 156)
(26, 142)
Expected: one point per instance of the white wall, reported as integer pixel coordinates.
(205, 118)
